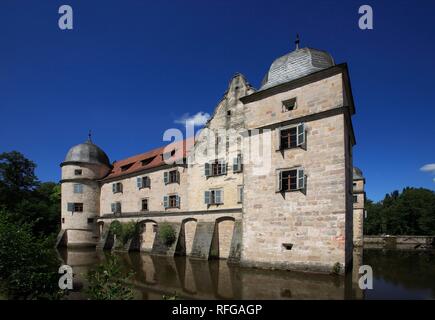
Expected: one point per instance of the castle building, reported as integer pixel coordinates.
(267, 183)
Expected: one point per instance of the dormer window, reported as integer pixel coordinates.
(289, 105)
(147, 161)
(126, 167)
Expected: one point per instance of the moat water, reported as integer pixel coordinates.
(397, 274)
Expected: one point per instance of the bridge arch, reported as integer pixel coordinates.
(222, 237)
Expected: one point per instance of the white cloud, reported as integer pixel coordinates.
(198, 119)
(428, 167)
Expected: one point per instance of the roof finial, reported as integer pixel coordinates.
(90, 136)
(297, 41)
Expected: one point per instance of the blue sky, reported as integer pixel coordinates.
(131, 68)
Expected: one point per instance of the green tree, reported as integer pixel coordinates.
(25, 198)
(17, 178)
(411, 212)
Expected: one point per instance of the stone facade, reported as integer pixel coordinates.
(231, 202)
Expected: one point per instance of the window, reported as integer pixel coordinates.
(290, 180)
(63, 220)
(172, 201)
(144, 205)
(214, 197)
(229, 113)
(355, 199)
(354, 184)
(126, 167)
(90, 220)
(75, 207)
(116, 207)
(289, 105)
(239, 194)
(78, 172)
(78, 188)
(291, 137)
(147, 161)
(171, 176)
(237, 163)
(117, 187)
(216, 168)
(143, 182)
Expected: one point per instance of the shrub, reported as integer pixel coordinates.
(109, 281)
(124, 231)
(167, 234)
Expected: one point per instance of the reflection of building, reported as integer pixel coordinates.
(359, 196)
(294, 211)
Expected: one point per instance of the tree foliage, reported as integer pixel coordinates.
(28, 264)
(167, 234)
(109, 281)
(411, 212)
(29, 221)
(25, 198)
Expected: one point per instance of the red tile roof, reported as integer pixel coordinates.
(155, 158)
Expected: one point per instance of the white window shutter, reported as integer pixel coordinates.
(118, 207)
(240, 194)
(223, 166)
(207, 197)
(139, 181)
(114, 187)
(207, 169)
(278, 139)
(70, 206)
(178, 176)
(279, 181)
(177, 201)
(165, 201)
(120, 187)
(301, 179)
(147, 182)
(301, 134)
(218, 194)
(166, 177)
(113, 207)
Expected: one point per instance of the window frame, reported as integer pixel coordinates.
(285, 103)
(142, 204)
(143, 182)
(215, 168)
(117, 187)
(78, 188)
(301, 136)
(301, 180)
(167, 176)
(211, 196)
(169, 200)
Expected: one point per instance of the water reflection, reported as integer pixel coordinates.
(156, 276)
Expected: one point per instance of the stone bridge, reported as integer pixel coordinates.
(200, 235)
